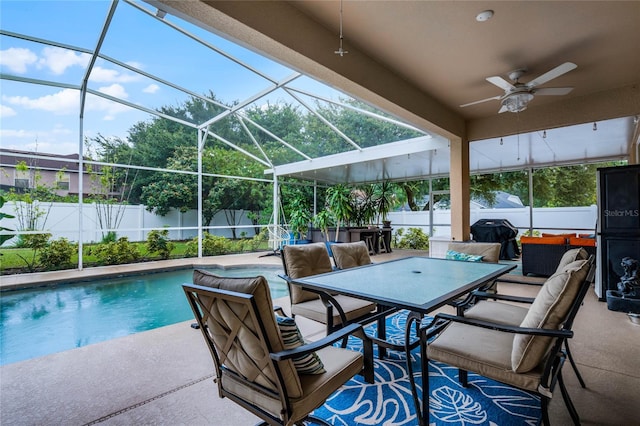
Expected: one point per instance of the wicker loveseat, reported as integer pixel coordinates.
(540, 255)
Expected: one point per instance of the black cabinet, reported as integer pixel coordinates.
(618, 222)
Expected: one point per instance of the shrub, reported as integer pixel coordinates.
(115, 253)
(158, 242)
(57, 254)
(212, 245)
(109, 237)
(415, 239)
(36, 242)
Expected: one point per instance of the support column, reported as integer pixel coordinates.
(460, 189)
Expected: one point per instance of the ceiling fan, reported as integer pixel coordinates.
(517, 95)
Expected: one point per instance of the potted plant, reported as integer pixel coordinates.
(364, 208)
(322, 220)
(339, 205)
(385, 198)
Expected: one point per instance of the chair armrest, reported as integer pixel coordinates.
(498, 296)
(318, 344)
(500, 327)
(343, 333)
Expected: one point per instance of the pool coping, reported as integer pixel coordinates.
(49, 278)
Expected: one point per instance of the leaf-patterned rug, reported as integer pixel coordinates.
(388, 401)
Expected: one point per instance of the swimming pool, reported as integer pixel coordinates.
(41, 321)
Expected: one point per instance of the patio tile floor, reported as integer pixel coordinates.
(164, 376)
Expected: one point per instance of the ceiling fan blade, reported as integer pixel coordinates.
(501, 83)
(553, 91)
(550, 75)
(495, 98)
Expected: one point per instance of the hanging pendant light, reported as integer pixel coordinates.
(340, 50)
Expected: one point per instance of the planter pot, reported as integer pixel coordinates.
(615, 302)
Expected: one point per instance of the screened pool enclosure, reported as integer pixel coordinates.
(122, 101)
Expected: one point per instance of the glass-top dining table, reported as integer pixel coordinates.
(418, 284)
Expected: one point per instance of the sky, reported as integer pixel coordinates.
(43, 118)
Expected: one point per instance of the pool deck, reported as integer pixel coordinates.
(164, 376)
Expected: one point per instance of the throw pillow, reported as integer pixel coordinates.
(456, 255)
(292, 338)
(548, 310)
(571, 256)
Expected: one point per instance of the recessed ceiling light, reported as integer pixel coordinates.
(484, 15)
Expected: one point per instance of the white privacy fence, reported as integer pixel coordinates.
(552, 220)
(64, 218)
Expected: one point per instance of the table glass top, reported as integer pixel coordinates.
(418, 283)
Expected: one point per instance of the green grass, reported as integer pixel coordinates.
(11, 261)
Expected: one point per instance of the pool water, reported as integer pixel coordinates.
(45, 320)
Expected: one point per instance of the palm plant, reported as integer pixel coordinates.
(339, 204)
(385, 198)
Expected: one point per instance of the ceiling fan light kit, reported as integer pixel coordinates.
(516, 102)
(517, 95)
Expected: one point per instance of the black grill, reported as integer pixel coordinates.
(497, 231)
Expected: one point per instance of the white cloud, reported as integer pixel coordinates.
(115, 90)
(152, 88)
(103, 75)
(6, 111)
(40, 140)
(17, 59)
(64, 102)
(110, 108)
(58, 60)
(8, 134)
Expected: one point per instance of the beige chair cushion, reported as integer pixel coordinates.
(571, 256)
(350, 255)
(483, 351)
(490, 252)
(238, 361)
(340, 365)
(315, 309)
(548, 310)
(302, 261)
(498, 312)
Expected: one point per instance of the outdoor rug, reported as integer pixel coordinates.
(388, 401)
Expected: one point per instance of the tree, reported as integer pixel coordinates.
(286, 122)
(174, 190)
